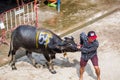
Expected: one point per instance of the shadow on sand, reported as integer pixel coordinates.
(89, 70)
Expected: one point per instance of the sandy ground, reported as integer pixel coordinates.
(108, 31)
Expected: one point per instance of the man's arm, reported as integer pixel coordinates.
(93, 48)
(83, 38)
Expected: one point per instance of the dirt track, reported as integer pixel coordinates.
(108, 31)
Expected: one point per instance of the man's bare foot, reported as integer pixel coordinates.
(81, 78)
(98, 79)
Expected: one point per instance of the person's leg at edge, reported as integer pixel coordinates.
(97, 70)
(81, 72)
(96, 67)
(82, 67)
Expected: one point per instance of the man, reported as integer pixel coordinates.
(19, 2)
(88, 49)
(51, 3)
(2, 39)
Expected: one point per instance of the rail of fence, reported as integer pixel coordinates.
(12, 18)
(20, 15)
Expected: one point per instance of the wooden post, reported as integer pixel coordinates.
(58, 5)
(2, 27)
(3, 37)
(36, 12)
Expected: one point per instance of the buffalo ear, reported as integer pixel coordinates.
(65, 38)
(72, 37)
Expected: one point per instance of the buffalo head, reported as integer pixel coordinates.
(69, 45)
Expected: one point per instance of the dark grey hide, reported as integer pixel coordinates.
(40, 41)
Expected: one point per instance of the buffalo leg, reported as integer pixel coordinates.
(49, 63)
(13, 60)
(52, 57)
(34, 63)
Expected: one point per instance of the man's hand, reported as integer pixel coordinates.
(79, 46)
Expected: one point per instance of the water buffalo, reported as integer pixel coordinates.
(41, 41)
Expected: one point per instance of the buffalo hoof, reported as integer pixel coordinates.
(37, 65)
(14, 68)
(44, 66)
(53, 71)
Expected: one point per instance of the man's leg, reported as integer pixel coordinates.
(96, 67)
(3, 38)
(82, 67)
(81, 72)
(97, 70)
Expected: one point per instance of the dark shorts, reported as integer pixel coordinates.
(94, 61)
